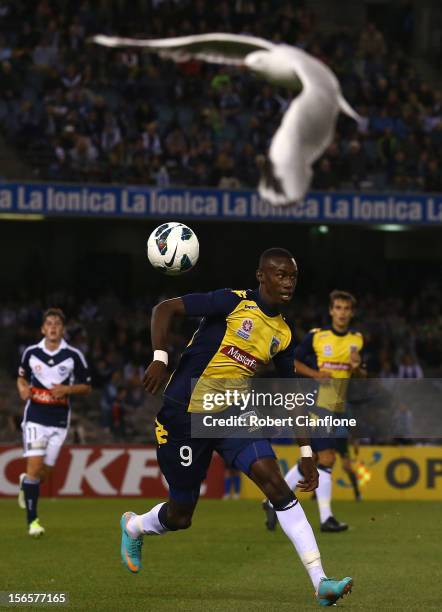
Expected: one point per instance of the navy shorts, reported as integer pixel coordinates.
(342, 447)
(184, 460)
(320, 444)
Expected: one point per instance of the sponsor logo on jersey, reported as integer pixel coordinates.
(338, 365)
(37, 368)
(274, 346)
(328, 351)
(246, 329)
(243, 357)
(44, 396)
(251, 307)
(51, 362)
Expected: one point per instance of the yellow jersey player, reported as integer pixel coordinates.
(238, 331)
(331, 355)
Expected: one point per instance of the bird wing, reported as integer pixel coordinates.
(214, 48)
(306, 129)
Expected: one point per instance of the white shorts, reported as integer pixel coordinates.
(43, 441)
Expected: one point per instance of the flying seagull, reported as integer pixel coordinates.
(308, 125)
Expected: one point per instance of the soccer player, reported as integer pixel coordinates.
(239, 330)
(46, 377)
(327, 354)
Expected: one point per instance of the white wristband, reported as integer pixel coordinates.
(161, 356)
(306, 451)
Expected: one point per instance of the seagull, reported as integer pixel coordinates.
(308, 125)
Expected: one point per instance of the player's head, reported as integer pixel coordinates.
(277, 275)
(341, 308)
(52, 326)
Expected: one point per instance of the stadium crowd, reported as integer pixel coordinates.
(77, 112)
(402, 339)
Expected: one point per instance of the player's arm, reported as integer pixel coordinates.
(24, 388)
(81, 383)
(311, 476)
(305, 354)
(61, 391)
(24, 375)
(162, 316)
(357, 366)
(306, 372)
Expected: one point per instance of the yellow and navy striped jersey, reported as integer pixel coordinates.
(328, 350)
(238, 334)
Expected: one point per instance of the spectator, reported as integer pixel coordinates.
(355, 163)
(83, 156)
(409, 367)
(150, 138)
(324, 177)
(371, 41)
(45, 55)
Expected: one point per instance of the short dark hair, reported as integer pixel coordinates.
(345, 296)
(54, 312)
(274, 252)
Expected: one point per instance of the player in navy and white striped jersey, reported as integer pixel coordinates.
(49, 373)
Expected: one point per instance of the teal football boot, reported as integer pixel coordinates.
(130, 547)
(330, 590)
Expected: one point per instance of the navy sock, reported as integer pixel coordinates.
(31, 489)
(227, 484)
(236, 483)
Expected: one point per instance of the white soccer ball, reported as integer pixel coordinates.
(173, 248)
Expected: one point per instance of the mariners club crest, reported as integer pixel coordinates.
(274, 346)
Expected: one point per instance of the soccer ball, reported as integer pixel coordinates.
(173, 248)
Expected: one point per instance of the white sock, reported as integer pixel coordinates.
(293, 476)
(146, 524)
(295, 525)
(324, 493)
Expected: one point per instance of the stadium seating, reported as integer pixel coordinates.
(60, 94)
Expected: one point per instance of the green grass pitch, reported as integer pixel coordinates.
(227, 561)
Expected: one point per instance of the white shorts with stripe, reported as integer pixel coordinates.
(43, 440)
